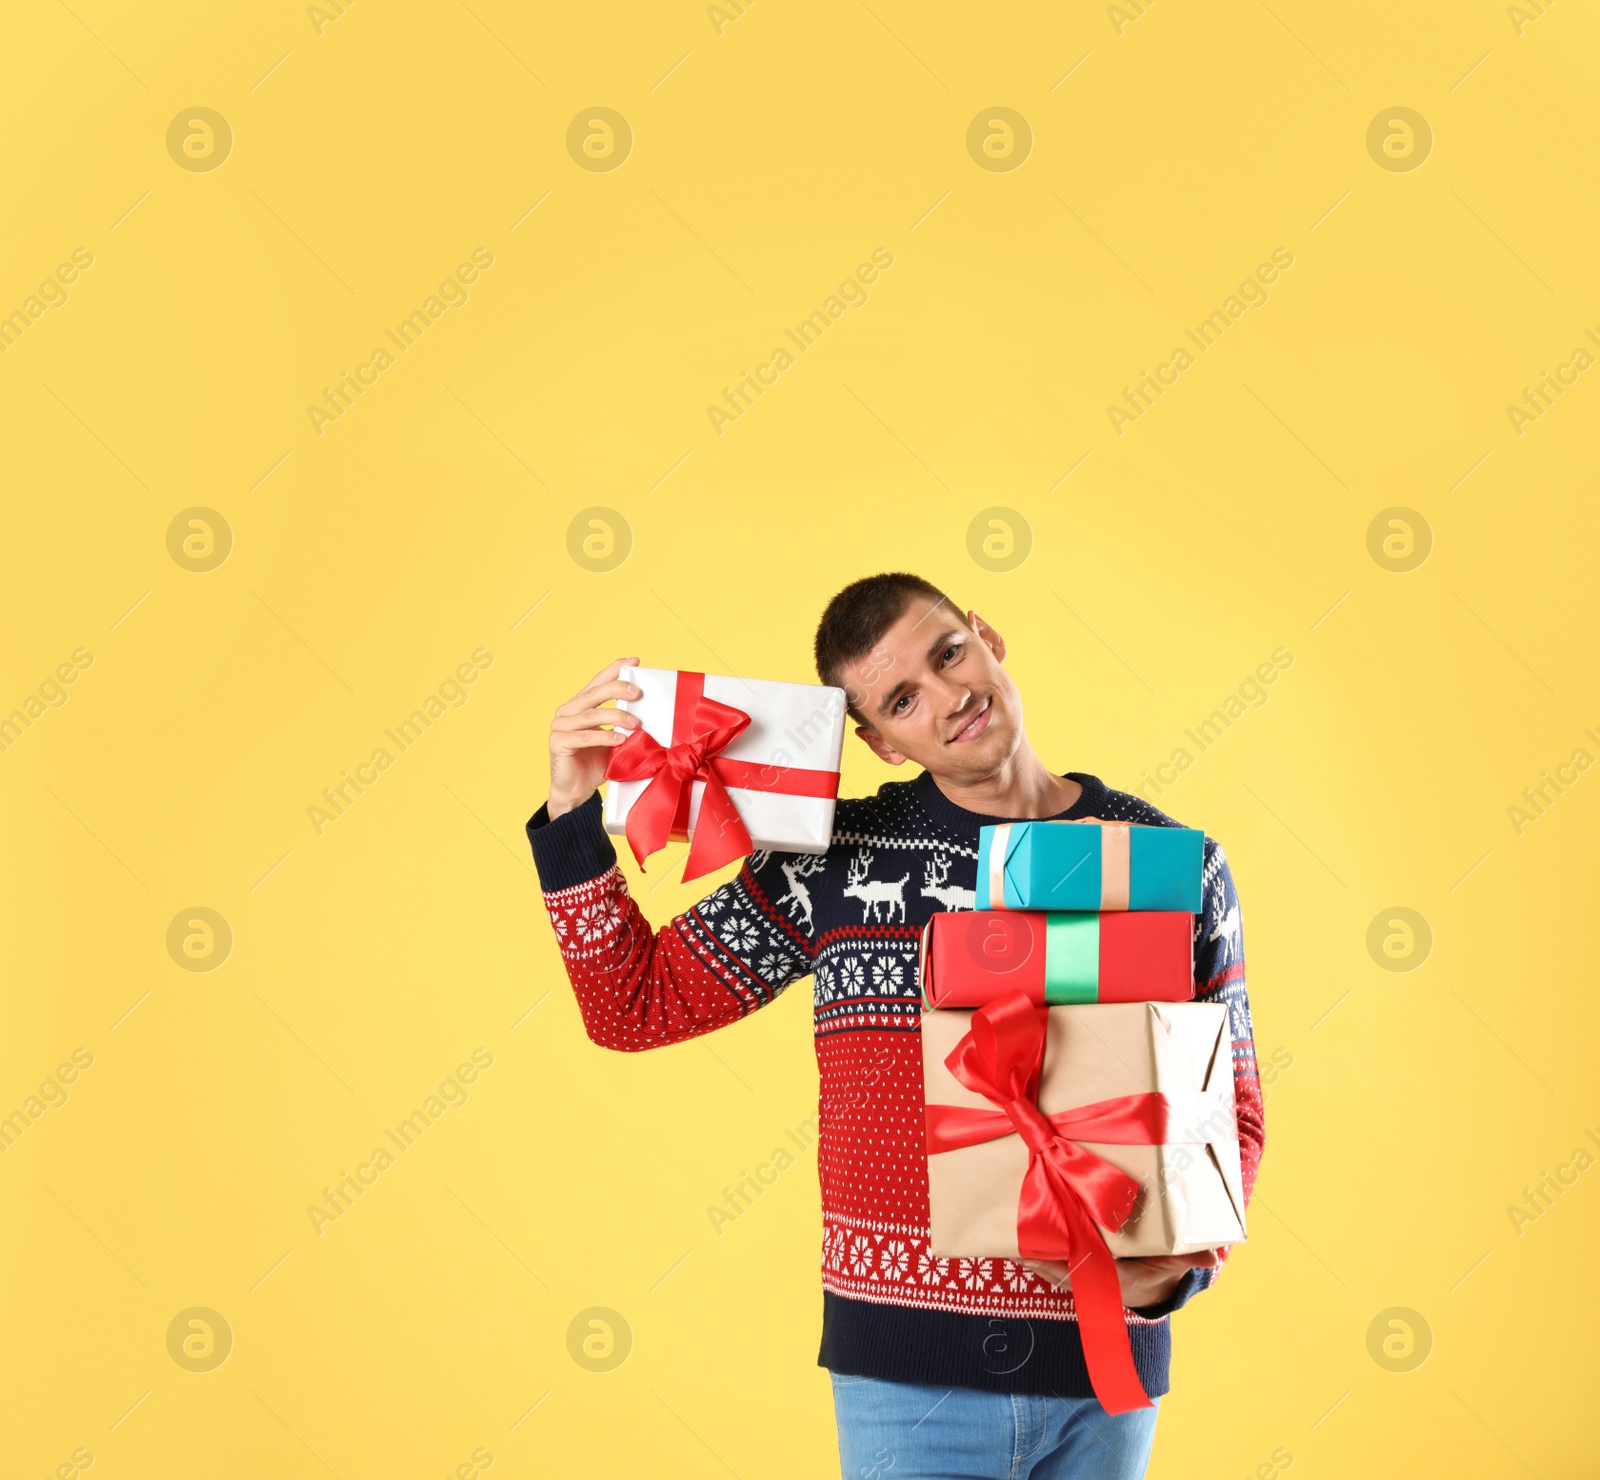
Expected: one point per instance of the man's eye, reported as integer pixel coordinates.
(901, 702)
(954, 648)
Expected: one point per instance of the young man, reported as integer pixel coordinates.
(954, 1367)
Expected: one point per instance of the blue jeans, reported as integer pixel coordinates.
(905, 1431)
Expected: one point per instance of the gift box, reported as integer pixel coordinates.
(1089, 866)
(972, 956)
(728, 764)
(1083, 1134)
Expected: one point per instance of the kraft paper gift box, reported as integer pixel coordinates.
(1089, 866)
(729, 764)
(970, 957)
(1191, 1189)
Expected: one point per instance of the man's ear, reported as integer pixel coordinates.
(879, 746)
(990, 638)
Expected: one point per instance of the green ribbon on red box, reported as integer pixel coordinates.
(1071, 959)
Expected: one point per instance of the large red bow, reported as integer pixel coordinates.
(701, 728)
(1067, 1189)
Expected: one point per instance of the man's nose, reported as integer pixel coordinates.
(951, 697)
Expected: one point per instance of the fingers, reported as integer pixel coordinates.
(1200, 1259)
(1156, 1263)
(606, 675)
(616, 689)
(588, 719)
(578, 741)
(610, 671)
(1136, 1272)
(1152, 1277)
(569, 742)
(599, 693)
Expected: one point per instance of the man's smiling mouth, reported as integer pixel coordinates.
(975, 726)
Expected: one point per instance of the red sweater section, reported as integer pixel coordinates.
(785, 917)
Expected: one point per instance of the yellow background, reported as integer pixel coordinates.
(768, 158)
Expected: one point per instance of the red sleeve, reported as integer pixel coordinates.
(640, 988)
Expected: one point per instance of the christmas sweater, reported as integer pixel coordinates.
(851, 920)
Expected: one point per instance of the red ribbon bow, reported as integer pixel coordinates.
(701, 728)
(1067, 1189)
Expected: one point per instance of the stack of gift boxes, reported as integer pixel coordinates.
(1079, 1103)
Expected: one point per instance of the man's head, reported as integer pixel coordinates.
(924, 682)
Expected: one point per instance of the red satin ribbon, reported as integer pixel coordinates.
(1067, 1189)
(701, 728)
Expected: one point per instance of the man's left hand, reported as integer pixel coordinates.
(1146, 1281)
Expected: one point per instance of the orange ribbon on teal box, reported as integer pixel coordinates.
(1089, 866)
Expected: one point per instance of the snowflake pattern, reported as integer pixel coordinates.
(895, 1261)
(844, 974)
(975, 1274)
(887, 974)
(597, 919)
(774, 967)
(833, 1248)
(741, 934)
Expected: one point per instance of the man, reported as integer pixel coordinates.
(954, 1367)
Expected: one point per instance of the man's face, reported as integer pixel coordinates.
(933, 691)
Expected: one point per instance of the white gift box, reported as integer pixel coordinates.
(793, 726)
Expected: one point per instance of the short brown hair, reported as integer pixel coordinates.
(857, 618)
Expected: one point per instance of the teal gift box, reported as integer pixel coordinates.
(1089, 866)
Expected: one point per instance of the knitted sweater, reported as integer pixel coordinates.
(851, 919)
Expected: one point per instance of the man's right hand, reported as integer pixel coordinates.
(580, 740)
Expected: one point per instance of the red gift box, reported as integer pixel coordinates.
(1055, 959)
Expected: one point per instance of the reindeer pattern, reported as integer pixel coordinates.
(796, 903)
(936, 885)
(899, 871)
(873, 893)
(1228, 932)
